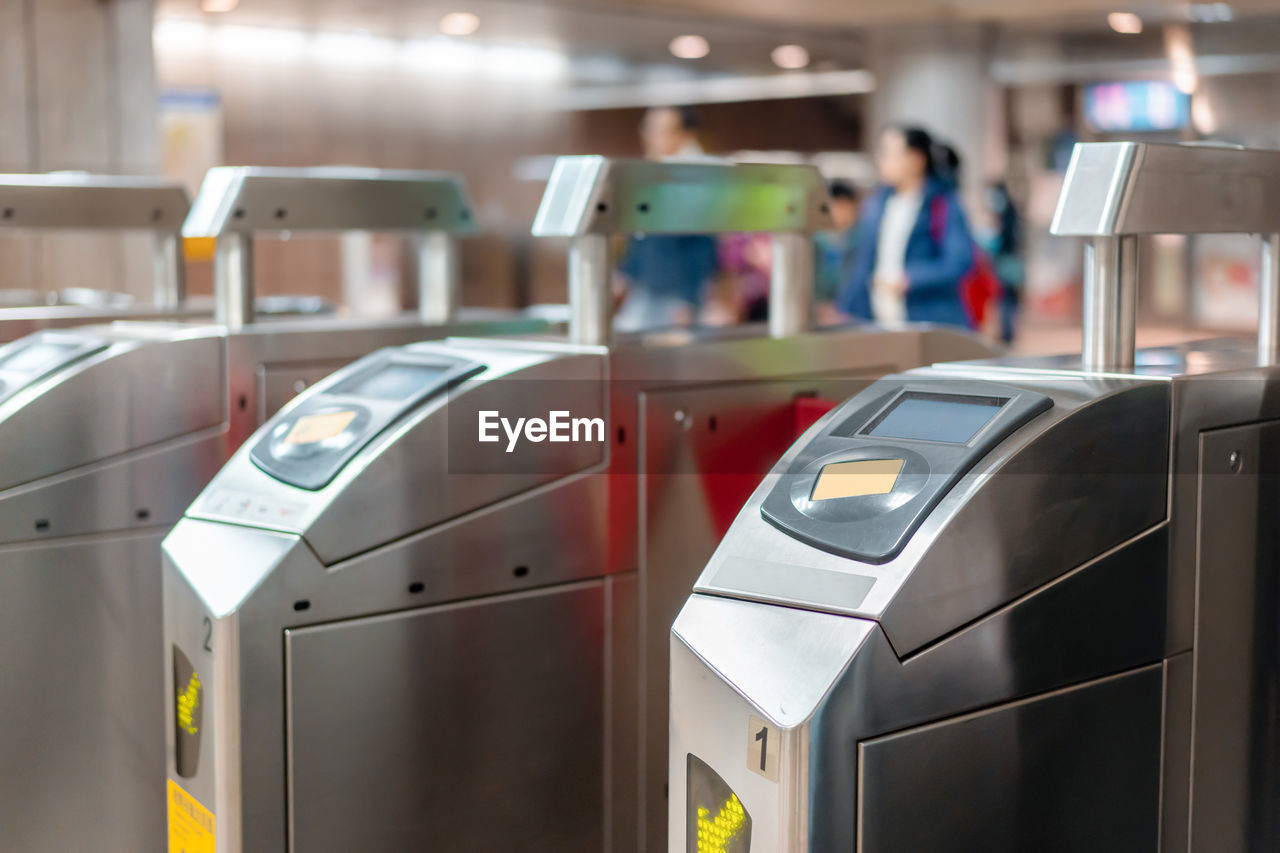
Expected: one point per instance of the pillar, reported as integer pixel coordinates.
(78, 91)
(937, 76)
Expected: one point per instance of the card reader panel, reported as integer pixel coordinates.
(865, 483)
(309, 446)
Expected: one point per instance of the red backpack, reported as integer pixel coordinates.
(979, 287)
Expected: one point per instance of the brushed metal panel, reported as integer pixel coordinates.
(1175, 786)
(1074, 770)
(1114, 188)
(1235, 747)
(467, 727)
(705, 449)
(601, 195)
(1071, 468)
(142, 489)
(81, 752)
(112, 403)
(80, 201)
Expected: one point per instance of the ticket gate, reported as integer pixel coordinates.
(1012, 605)
(390, 625)
(76, 202)
(109, 432)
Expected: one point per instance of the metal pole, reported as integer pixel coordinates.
(168, 271)
(439, 282)
(233, 280)
(1110, 303)
(1269, 301)
(590, 290)
(791, 285)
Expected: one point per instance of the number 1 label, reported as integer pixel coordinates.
(762, 748)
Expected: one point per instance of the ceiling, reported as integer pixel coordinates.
(742, 33)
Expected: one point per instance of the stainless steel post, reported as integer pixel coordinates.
(1110, 303)
(1269, 301)
(439, 282)
(791, 285)
(590, 290)
(233, 280)
(168, 271)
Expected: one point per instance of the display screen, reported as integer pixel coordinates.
(1136, 105)
(36, 357)
(949, 418)
(856, 479)
(309, 429)
(393, 382)
(717, 822)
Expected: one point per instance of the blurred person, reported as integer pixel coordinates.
(999, 233)
(915, 247)
(747, 262)
(947, 161)
(663, 278)
(835, 250)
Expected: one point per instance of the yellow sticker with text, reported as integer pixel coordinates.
(190, 824)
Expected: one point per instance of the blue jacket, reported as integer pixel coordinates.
(678, 265)
(934, 268)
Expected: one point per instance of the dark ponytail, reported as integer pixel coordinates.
(918, 139)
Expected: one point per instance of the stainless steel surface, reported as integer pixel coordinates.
(1173, 582)
(921, 594)
(1114, 191)
(1077, 769)
(791, 285)
(413, 522)
(590, 198)
(1269, 300)
(74, 772)
(439, 277)
(602, 195)
(104, 455)
(238, 199)
(1110, 303)
(590, 290)
(358, 734)
(1117, 188)
(235, 203)
(169, 271)
(1235, 743)
(233, 284)
(74, 201)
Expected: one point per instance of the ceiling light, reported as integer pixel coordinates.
(1125, 22)
(790, 56)
(459, 24)
(218, 5)
(1182, 58)
(689, 47)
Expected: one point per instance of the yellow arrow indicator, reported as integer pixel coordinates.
(716, 834)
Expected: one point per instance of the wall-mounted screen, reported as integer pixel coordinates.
(1136, 106)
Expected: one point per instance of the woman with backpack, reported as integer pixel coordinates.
(915, 248)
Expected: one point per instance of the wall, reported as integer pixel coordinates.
(77, 91)
(290, 114)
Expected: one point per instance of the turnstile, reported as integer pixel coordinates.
(78, 202)
(1013, 605)
(108, 433)
(391, 624)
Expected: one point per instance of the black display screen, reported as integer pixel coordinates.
(950, 418)
(394, 381)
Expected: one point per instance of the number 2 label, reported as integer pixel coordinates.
(762, 748)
